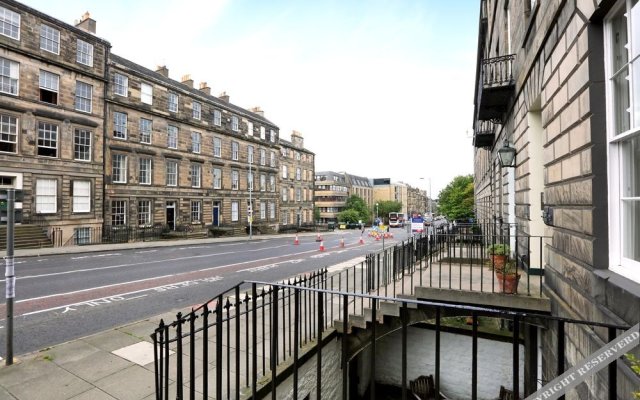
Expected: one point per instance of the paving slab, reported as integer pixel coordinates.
(132, 383)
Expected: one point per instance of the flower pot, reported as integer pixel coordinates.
(508, 283)
(498, 261)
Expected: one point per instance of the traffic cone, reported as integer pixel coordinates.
(361, 240)
(318, 238)
(321, 245)
(377, 238)
(296, 241)
(341, 242)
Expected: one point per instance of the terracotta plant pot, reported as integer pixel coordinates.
(508, 283)
(498, 261)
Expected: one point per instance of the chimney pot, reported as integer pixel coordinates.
(257, 110)
(224, 97)
(186, 80)
(87, 23)
(205, 88)
(163, 70)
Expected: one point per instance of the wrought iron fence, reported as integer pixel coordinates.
(497, 71)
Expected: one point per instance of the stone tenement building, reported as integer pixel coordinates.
(52, 80)
(558, 82)
(296, 182)
(97, 141)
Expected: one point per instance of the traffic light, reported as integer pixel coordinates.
(4, 206)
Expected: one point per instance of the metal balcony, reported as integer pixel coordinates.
(484, 134)
(496, 87)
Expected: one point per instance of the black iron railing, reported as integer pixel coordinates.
(497, 71)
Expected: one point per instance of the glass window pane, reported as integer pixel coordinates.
(631, 168)
(631, 229)
(621, 101)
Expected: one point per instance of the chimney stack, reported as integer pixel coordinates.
(87, 23)
(186, 80)
(204, 88)
(163, 70)
(257, 110)
(224, 97)
(297, 139)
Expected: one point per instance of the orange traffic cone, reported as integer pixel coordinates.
(361, 240)
(321, 245)
(341, 242)
(296, 241)
(377, 238)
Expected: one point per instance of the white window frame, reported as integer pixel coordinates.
(81, 196)
(9, 23)
(217, 178)
(285, 172)
(172, 137)
(50, 82)
(118, 168)
(272, 210)
(172, 102)
(263, 132)
(49, 39)
(272, 159)
(146, 93)
(172, 173)
(144, 213)
(46, 196)
(196, 111)
(48, 138)
(263, 157)
(235, 124)
(217, 117)
(273, 136)
(298, 173)
(263, 182)
(120, 121)
(82, 235)
(250, 154)
(84, 95)
(263, 210)
(235, 180)
(196, 175)
(9, 76)
(624, 233)
(250, 180)
(84, 53)
(217, 147)
(196, 139)
(272, 183)
(118, 212)
(146, 129)
(82, 145)
(145, 166)
(235, 208)
(235, 150)
(120, 85)
(8, 133)
(285, 194)
(196, 211)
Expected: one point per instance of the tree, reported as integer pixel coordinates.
(386, 207)
(350, 215)
(456, 200)
(357, 204)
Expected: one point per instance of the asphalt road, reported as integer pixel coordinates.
(66, 296)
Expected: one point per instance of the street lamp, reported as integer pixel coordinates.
(250, 207)
(377, 211)
(506, 155)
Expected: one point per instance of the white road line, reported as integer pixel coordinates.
(145, 251)
(96, 256)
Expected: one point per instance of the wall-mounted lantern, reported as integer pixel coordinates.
(507, 155)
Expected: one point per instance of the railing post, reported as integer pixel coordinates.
(612, 370)
(560, 352)
(372, 369)
(274, 340)
(345, 362)
(319, 346)
(296, 340)
(219, 347)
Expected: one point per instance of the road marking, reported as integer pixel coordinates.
(145, 251)
(96, 256)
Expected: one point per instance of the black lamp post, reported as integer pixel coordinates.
(507, 155)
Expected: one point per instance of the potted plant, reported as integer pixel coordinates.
(508, 277)
(499, 252)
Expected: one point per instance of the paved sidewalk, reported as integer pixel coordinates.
(116, 364)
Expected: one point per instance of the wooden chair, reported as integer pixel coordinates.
(423, 387)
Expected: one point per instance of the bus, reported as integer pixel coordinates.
(396, 220)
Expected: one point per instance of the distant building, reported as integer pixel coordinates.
(331, 193)
(296, 182)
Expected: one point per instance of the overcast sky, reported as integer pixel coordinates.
(378, 88)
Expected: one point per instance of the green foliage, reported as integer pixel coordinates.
(635, 366)
(498, 249)
(316, 214)
(386, 207)
(357, 204)
(456, 200)
(350, 215)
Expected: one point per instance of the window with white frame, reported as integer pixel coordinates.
(250, 180)
(285, 194)
(272, 159)
(196, 211)
(82, 145)
(296, 155)
(263, 182)
(217, 178)
(263, 210)
(196, 137)
(144, 212)
(172, 102)
(81, 196)
(235, 180)
(9, 23)
(273, 136)
(84, 92)
(250, 154)
(119, 168)
(84, 53)
(9, 76)
(82, 235)
(49, 39)
(197, 110)
(146, 127)
(298, 195)
(217, 117)
(120, 84)
(46, 196)
(172, 137)
(235, 149)
(285, 172)
(235, 125)
(217, 147)
(144, 171)
(284, 217)
(47, 139)
(8, 134)
(263, 157)
(623, 99)
(118, 212)
(272, 210)
(235, 211)
(298, 174)
(262, 132)
(172, 173)
(196, 175)
(272, 183)
(49, 87)
(119, 125)
(146, 93)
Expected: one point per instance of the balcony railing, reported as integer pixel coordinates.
(484, 134)
(497, 86)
